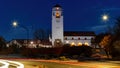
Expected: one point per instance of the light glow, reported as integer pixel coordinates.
(86, 43)
(72, 44)
(57, 14)
(31, 42)
(15, 24)
(79, 44)
(58, 41)
(5, 64)
(57, 8)
(67, 42)
(14, 63)
(105, 17)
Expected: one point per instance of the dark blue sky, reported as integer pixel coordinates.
(79, 15)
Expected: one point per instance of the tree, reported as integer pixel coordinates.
(15, 48)
(105, 41)
(115, 47)
(116, 29)
(2, 42)
(105, 44)
(111, 43)
(39, 34)
(98, 39)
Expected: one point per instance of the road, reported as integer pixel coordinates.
(88, 64)
(35, 63)
(9, 63)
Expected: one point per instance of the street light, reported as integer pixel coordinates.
(15, 24)
(105, 17)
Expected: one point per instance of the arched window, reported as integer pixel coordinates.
(79, 44)
(67, 42)
(85, 38)
(57, 15)
(72, 38)
(86, 43)
(72, 44)
(78, 38)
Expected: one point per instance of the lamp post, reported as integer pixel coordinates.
(105, 17)
(15, 24)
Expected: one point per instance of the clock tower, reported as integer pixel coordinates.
(57, 25)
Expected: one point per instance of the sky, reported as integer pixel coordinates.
(79, 15)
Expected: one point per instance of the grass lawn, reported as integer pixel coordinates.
(35, 64)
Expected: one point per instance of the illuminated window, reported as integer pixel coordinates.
(86, 43)
(57, 8)
(79, 44)
(72, 44)
(31, 42)
(57, 15)
(67, 42)
(58, 41)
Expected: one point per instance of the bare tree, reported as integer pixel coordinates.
(2, 42)
(39, 34)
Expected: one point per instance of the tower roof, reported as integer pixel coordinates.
(57, 5)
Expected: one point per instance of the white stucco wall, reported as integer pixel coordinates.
(57, 25)
(82, 40)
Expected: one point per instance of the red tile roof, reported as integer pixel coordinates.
(79, 33)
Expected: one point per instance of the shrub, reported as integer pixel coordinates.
(63, 58)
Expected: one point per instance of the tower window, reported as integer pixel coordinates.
(53, 14)
(57, 15)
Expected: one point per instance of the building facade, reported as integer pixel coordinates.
(30, 43)
(60, 37)
(57, 25)
(78, 38)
